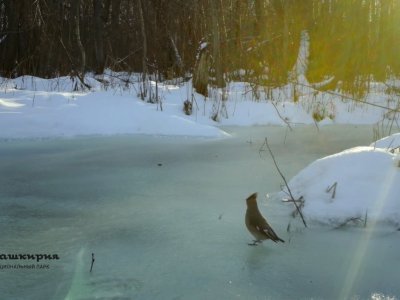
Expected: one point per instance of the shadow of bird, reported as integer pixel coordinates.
(256, 223)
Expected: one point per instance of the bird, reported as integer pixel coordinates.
(256, 223)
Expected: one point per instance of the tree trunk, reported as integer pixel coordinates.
(286, 34)
(98, 36)
(75, 8)
(178, 57)
(216, 45)
(143, 93)
(11, 41)
(260, 18)
(115, 38)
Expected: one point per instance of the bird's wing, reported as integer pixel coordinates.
(270, 233)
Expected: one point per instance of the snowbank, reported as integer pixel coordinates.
(32, 107)
(389, 142)
(367, 186)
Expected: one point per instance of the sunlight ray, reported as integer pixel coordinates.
(355, 268)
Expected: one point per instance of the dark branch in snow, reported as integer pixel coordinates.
(333, 186)
(355, 220)
(349, 220)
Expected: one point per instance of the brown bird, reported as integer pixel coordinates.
(256, 223)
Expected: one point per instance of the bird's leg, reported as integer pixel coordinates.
(255, 243)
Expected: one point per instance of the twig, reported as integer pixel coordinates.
(79, 76)
(286, 131)
(284, 179)
(300, 200)
(352, 219)
(316, 124)
(288, 227)
(66, 51)
(295, 212)
(333, 186)
(366, 218)
(348, 97)
(390, 144)
(91, 266)
(281, 117)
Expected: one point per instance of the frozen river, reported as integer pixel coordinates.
(164, 217)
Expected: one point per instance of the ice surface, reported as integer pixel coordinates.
(165, 219)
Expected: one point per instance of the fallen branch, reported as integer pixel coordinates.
(284, 180)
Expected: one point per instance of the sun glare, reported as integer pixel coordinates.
(359, 255)
(10, 104)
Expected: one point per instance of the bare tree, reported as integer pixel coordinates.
(100, 12)
(216, 44)
(143, 92)
(75, 12)
(59, 37)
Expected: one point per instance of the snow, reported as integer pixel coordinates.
(32, 107)
(389, 142)
(367, 187)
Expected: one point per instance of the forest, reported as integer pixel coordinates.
(352, 42)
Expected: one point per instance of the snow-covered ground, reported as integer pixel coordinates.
(36, 108)
(359, 186)
(32, 107)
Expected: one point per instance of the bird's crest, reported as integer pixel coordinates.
(252, 200)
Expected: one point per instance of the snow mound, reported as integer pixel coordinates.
(389, 142)
(32, 107)
(367, 183)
